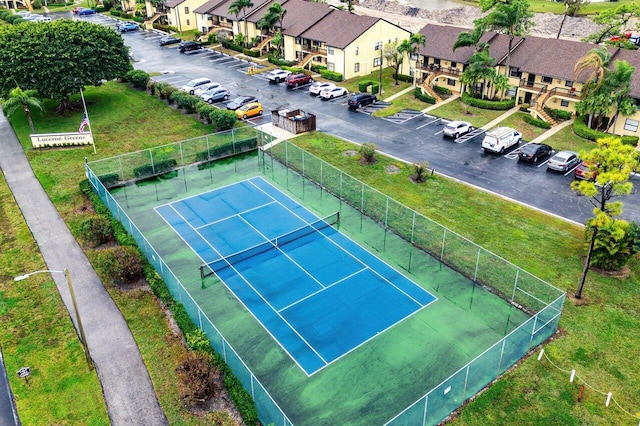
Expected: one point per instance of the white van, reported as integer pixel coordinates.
(191, 86)
(501, 138)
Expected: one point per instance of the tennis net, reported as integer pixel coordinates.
(296, 234)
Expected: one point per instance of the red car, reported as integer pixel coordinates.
(295, 80)
(583, 172)
(75, 10)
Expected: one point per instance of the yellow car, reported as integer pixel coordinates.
(249, 110)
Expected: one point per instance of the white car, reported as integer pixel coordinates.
(456, 129)
(319, 86)
(333, 92)
(205, 88)
(277, 76)
(192, 85)
(24, 14)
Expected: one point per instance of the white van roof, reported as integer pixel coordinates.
(499, 131)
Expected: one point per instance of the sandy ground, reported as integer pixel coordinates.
(413, 19)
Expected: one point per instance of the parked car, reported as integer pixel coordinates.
(75, 10)
(205, 88)
(189, 46)
(532, 152)
(239, 101)
(563, 161)
(128, 26)
(317, 87)
(24, 14)
(295, 80)
(358, 100)
(83, 11)
(192, 85)
(43, 19)
(455, 129)
(584, 172)
(277, 76)
(333, 92)
(215, 95)
(249, 110)
(500, 139)
(167, 40)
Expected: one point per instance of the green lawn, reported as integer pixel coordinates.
(389, 86)
(457, 110)
(597, 339)
(516, 121)
(546, 6)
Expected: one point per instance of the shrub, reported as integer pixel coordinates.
(442, 90)
(198, 378)
(251, 52)
(420, 171)
(486, 104)
(114, 12)
(280, 62)
(368, 153)
(138, 19)
(405, 78)
(36, 4)
(96, 231)
(186, 101)
(424, 97)
(109, 179)
(120, 264)
(615, 244)
(223, 119)
(375, 88)
(158, 168)
(558, 114)
(212, 38)
(220, 151)
(228, 44)
(581, 129)
(138, 78)
(362, 85)
(524, 107)
(166, 90)
(151, 87)
(331, 75)
(204, 111)
(318, 68)
(536, 122)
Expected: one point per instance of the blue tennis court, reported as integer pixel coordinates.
(319, 294)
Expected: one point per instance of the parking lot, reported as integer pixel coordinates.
(408, 135)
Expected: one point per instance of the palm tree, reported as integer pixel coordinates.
(241, 6)
(512, 18)
(619, 81)
(278, 11)
(481, 68)
(472, 38)
(416, 40)
(594, 64)
(25, 99)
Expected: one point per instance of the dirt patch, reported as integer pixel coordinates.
(620, 273)
(392, 169)
(350, 153)
(583, 301)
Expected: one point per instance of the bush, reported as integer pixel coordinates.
(362, 85)
(228, 44)
(524, 107)
(109, 180)
(280, 62)
(212, 38)
(96, 231)
(442, 90)
(138, 78)
(558, 114)
(151, 87)
(615, 244)
(331, 75)
(158, 168)
(138, 19)
(120, 264)
(204, 111)
(536, 122)
(165, 90)
(581, 129)
(198, 378)
(420, 171)
(368, 153)
(375, 88)
(487, 104)
(251, 52)
(36, 4)
(318, 68)
(223, 119)
(424, 97)
(220, 151)
(114, 12)
(405, 78)
(185, 101)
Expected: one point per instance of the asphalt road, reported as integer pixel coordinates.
(412, 138)
(8, 412)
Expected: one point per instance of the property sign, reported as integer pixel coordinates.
(24, 372)
(61, 139)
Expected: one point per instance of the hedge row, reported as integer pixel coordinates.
(581, 129)
(227, 150)
(228, 44)
(251, 52)
(241, 398)
(486, 104)
(558, 114)
(185, 101)
(442, 90)
(155, 169)
(423, 96)
(536, 122)
(280, 62)
(405, 78)
(331, 75)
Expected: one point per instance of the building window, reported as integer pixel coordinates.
(631, 125)
(451, 82)
(515, 72)
(356, 67)
(331, 66)
(568, 83)
(357, 50)
(329, 50)
(186, 10)
(436, 61)
(188, 23)
(298, 40)
(512, 91)
(564, 103)
(454, 64)
(547, 79)
(378, 46)
(377, 62)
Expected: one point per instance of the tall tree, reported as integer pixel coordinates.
(25, 99)
(241, 6)
(481, 68)
(472, 38)
(613, 22)
(394, 54)
(619, 81)
(611, 164)
(594, 65)
(510, 17)
(59, 58)
(417, 40)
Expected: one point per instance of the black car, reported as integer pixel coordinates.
(532, 152)
(239, 101)
(361, 99)
(167, 40)
(188, 46)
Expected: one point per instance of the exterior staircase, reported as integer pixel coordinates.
(539, 112)
(307, 59)
(426, 87)
(263, 43)
(148, 24)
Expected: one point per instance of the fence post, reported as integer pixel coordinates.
(515, 284)
(444, 237)
(533, 330)
(153, 167)
(475, 273)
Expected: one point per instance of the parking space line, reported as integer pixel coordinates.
(436, 119)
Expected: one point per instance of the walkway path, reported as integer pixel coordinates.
(126, 385)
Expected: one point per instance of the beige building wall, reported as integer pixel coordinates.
(628, 125)
(182, 16)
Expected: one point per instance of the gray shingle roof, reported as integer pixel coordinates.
(223, 9)
(301, 15)
(633, 58)
(173, 3)
(209, 5)
(340, 28)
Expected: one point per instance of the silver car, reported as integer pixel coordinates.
(563, 161)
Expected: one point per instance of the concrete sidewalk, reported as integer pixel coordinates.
(126, 385)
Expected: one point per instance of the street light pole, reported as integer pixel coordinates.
(66, 273)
